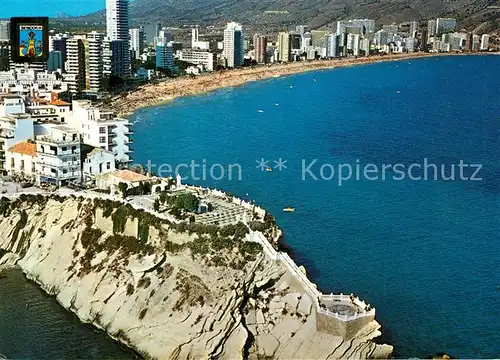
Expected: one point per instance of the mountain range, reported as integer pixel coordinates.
(272, 15)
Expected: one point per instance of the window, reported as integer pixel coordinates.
(102, 130)
(108, 165)
(102, 139)
(64, 148)
(90, 169)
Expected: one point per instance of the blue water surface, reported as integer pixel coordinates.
(424, 253)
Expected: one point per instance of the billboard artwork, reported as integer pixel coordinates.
(29, 40)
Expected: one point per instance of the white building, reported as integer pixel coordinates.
(199, 57)
(116, 58)
(364, 45)
(58, 156)
(365, 25)
(75, 64)
(233, 51)
(97, 162)
(431, 27)
(95, 65)
(29, 82)
(485, 42)
(4, 30)
(20, 159)
(353, 43)
(414, 27)
(110, 180)
(136, 42)
(102, 129)
(117, 25)
(284, 47)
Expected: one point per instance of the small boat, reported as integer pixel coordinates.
(260, 110)
(289, 209)
(269, 169)
(399, 92)
(291, 86)
(276, 104)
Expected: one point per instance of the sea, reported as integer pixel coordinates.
(421, 246)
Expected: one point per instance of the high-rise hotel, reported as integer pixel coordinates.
(233, 51)
(117, 27)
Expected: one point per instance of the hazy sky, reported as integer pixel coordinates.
(9, 8)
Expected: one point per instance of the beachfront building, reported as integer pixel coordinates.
(485, 42)
(136, 42)
(116, 58)
(116, 47)
(233, 52)
(353, 44)
(199, 57)
(333, 46)
(165, 56)
(284, 47)
(260, 48)
(101, 128)
(58, 156)
(20, 159)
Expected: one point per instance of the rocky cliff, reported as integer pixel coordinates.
(168, 291)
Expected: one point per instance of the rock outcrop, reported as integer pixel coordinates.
(168, 291)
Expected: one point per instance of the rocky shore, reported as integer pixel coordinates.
(151, 95)
(169, 291)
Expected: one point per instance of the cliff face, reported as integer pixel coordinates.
(168, 291)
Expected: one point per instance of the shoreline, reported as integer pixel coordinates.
(151, 95)
(327, 318)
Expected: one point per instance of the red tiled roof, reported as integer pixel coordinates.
(58, 102)
(25, 148)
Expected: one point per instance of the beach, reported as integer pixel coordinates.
(156, 94)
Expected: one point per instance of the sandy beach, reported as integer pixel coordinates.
(151, 95)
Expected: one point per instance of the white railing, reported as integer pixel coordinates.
(346, 317)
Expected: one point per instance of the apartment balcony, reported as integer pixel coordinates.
(65, 165)
(122, 141)
(56, 142)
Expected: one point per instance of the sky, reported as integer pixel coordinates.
(9, 8)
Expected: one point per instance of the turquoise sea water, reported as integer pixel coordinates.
(424, 253)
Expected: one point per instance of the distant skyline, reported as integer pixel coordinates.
(51, 8)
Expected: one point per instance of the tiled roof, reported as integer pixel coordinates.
(25, 148)
(129, 176)
(60, 103)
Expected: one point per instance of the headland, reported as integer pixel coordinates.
(181, 289)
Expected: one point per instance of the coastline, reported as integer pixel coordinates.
(154, 95)
(97, 299)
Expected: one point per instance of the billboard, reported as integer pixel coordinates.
(29, 39)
